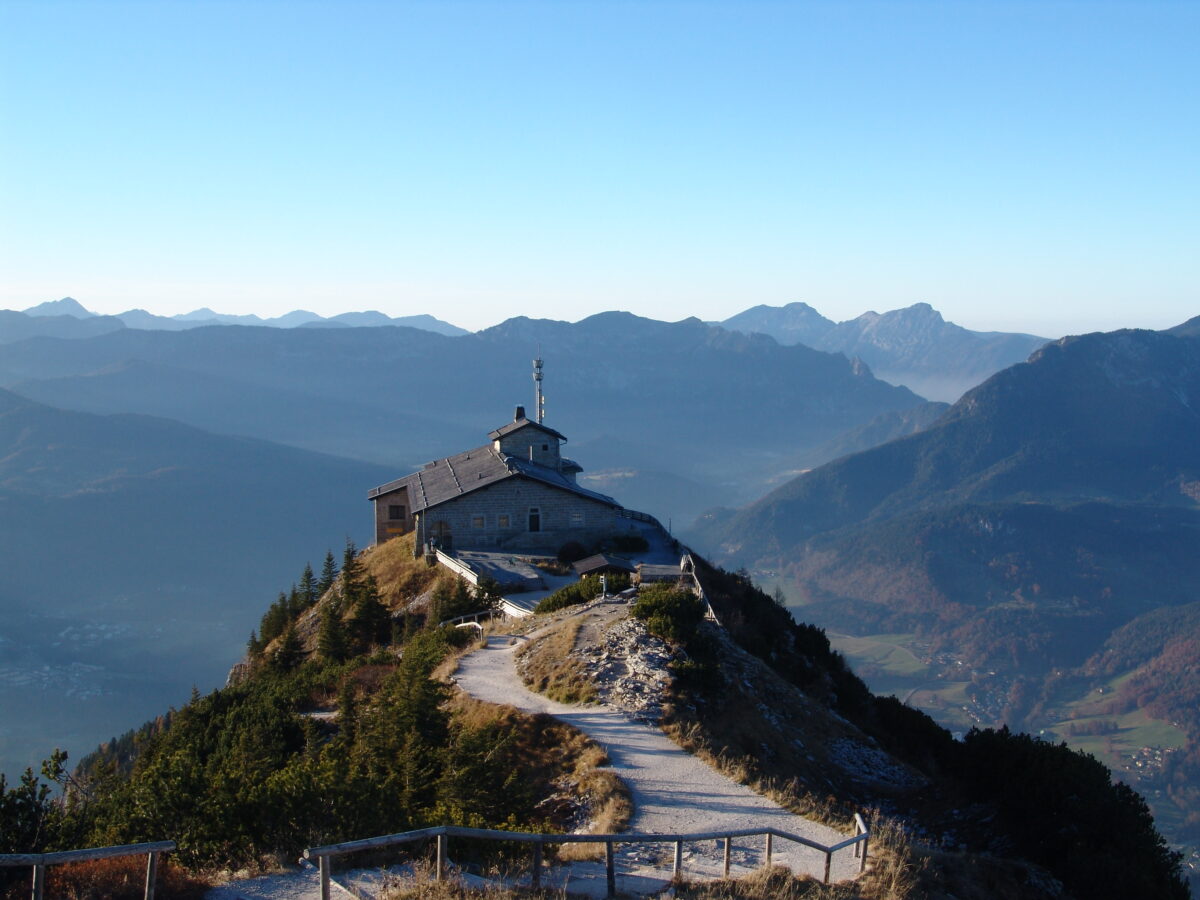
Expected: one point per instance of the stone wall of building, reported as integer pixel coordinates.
(498, 517)
(530, 443)
(386, 526)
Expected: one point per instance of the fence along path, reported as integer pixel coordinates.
(39, 861)
(673, 791)
(442, 834)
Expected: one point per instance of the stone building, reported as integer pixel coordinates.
(516, 493)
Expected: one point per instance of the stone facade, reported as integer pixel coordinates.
(393, 515)
(518, 514)
(516, 493)
(531, 443)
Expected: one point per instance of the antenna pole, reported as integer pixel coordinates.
(539, 403)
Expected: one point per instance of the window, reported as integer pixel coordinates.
(477, 522)
(502, 521)
(535, 519)
(576, 520)
(395, 512)
(545, 447)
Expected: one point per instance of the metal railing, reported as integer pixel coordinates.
(462, 570)
(40, 861)
(443, 833)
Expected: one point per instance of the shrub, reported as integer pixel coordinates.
(584, 590)
(627, 543)
(571, 551)
(669, 612)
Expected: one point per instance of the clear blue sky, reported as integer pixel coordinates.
(1021, 166)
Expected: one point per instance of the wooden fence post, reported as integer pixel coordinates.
(324, 863)
(536, 877)
(151, 874)
(728, 844)
(39, 881)
(862, 865)
(610, 869)
(770, 847)
(677, 869)
(442, 839)
(828, 865)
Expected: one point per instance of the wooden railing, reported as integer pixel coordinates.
(688, 567)
(443, 833)
(39, 861)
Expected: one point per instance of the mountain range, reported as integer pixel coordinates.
(914, 346)
(149, 506)
(1029, 558)
(70, 308)
(137, 553)
(685, 415)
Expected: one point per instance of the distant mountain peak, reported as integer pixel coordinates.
(67, 306)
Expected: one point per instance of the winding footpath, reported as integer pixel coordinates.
(673, 791)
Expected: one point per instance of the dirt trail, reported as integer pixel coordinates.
(672, 790)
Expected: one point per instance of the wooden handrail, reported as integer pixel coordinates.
(39, 861)
(443, 832)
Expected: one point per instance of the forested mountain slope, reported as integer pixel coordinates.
(1006, 545)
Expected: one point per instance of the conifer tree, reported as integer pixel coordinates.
(352, 574)
(347, 703)
(254, 646)
(370, 622)
(332, 640)
(274, 620)
(308, 587)
(329, 575)
(290, 652)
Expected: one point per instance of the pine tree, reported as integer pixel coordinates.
(274, 620)
(347, 703)
(332, 640)
(329, 575)
(371, 624)
(352, 575)
(308, 587)
(254, 647)
(290, 652)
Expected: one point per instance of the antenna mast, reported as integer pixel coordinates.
(539, 402)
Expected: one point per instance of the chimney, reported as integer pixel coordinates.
(519, 414)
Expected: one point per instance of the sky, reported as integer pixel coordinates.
(1022, 166)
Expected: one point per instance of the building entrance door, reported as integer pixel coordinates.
(442, 536)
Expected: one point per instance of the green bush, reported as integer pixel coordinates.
(671, 613)
(584, 590)
(627, 543)
(571, 551)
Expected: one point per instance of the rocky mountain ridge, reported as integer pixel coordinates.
(914, 346)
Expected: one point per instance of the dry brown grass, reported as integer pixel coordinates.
(546, 667)
(558, 758)
(123, 878)
(789, 794)
(399, 576)
(777, 883)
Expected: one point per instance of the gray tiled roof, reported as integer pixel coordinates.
(524, 423)
(445, 479)
(602, 561)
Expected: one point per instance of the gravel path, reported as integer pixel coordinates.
(673, 791)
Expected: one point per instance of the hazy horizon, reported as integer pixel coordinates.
(1020, 166)
(1144, 315)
